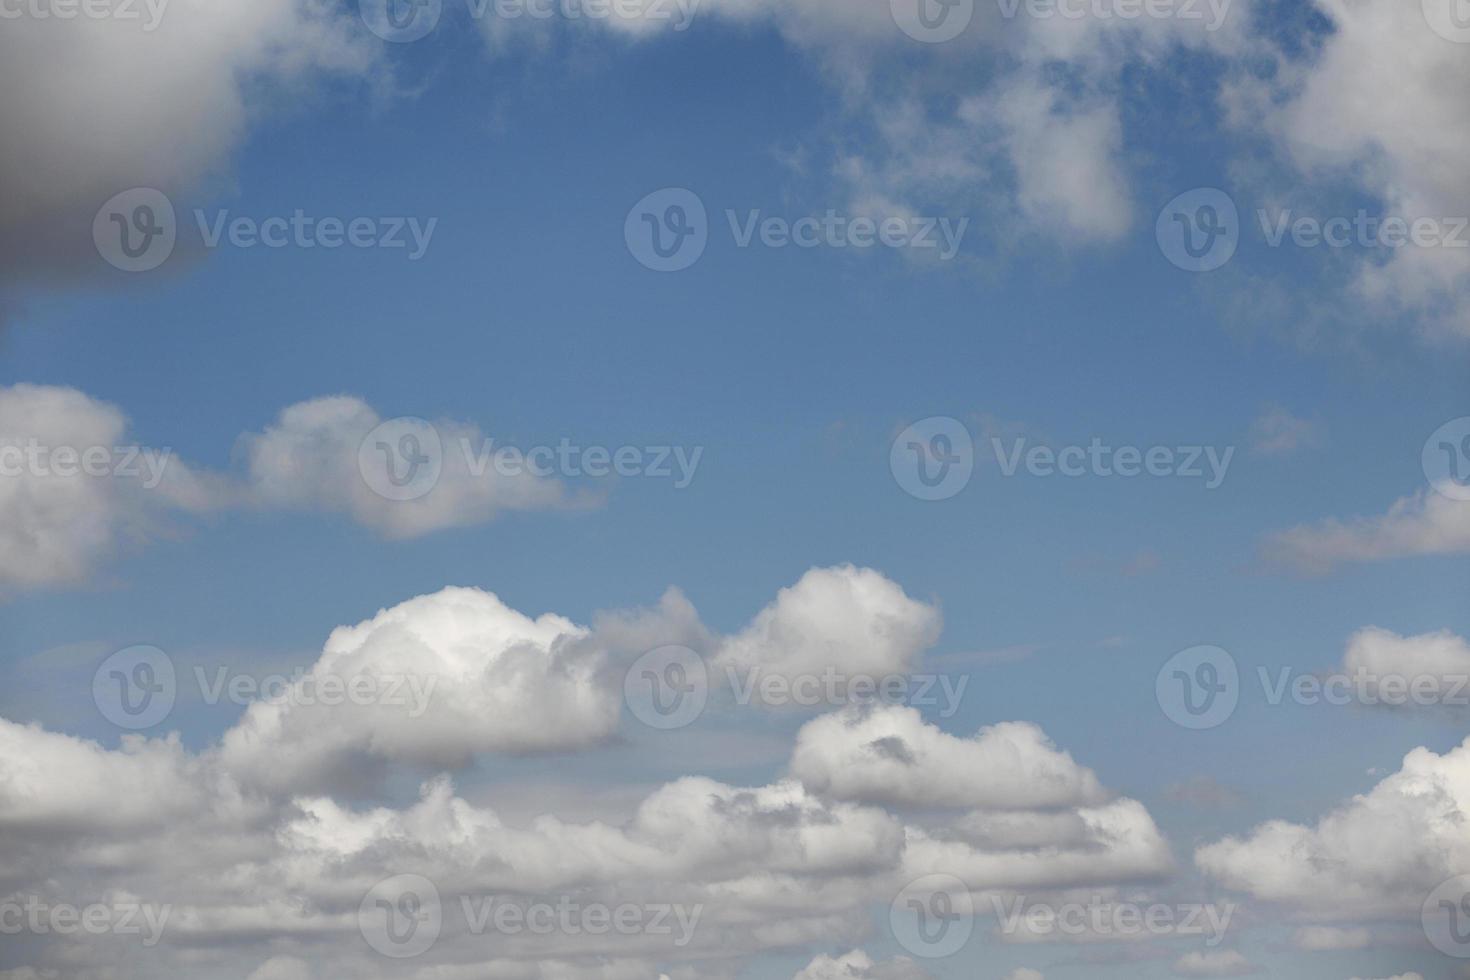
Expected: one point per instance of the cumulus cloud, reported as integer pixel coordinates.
(845, 617)
(94, 106)
(1337, 110)
(1427, 523)
(459, 673)
(76, 488)
(258, 860)
(1440, 660)
(1376, 856)
(888, 754)
(312, 458)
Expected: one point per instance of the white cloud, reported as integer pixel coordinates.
(59, 521)
(889, 755)
(1376, 856)
(96, 106)
(471, 675)
(1428, 523)
(1376, 103)
(1441, 657)
(309, 460)
(848, 618)
(1214, 963)
(1024, 974)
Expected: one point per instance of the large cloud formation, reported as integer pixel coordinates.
(253, 864)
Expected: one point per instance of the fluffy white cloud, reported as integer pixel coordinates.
(1214, 963)
(888, 754)
(263, 868)
(1377, 855)
(1428, 523)
(309, 459)
(1341, 110)
(96, 106)
(1441, 657)
(75, 488)
(1024, 974)
(847, 618)
(459, 672)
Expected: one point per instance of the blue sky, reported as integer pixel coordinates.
(795, 369)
